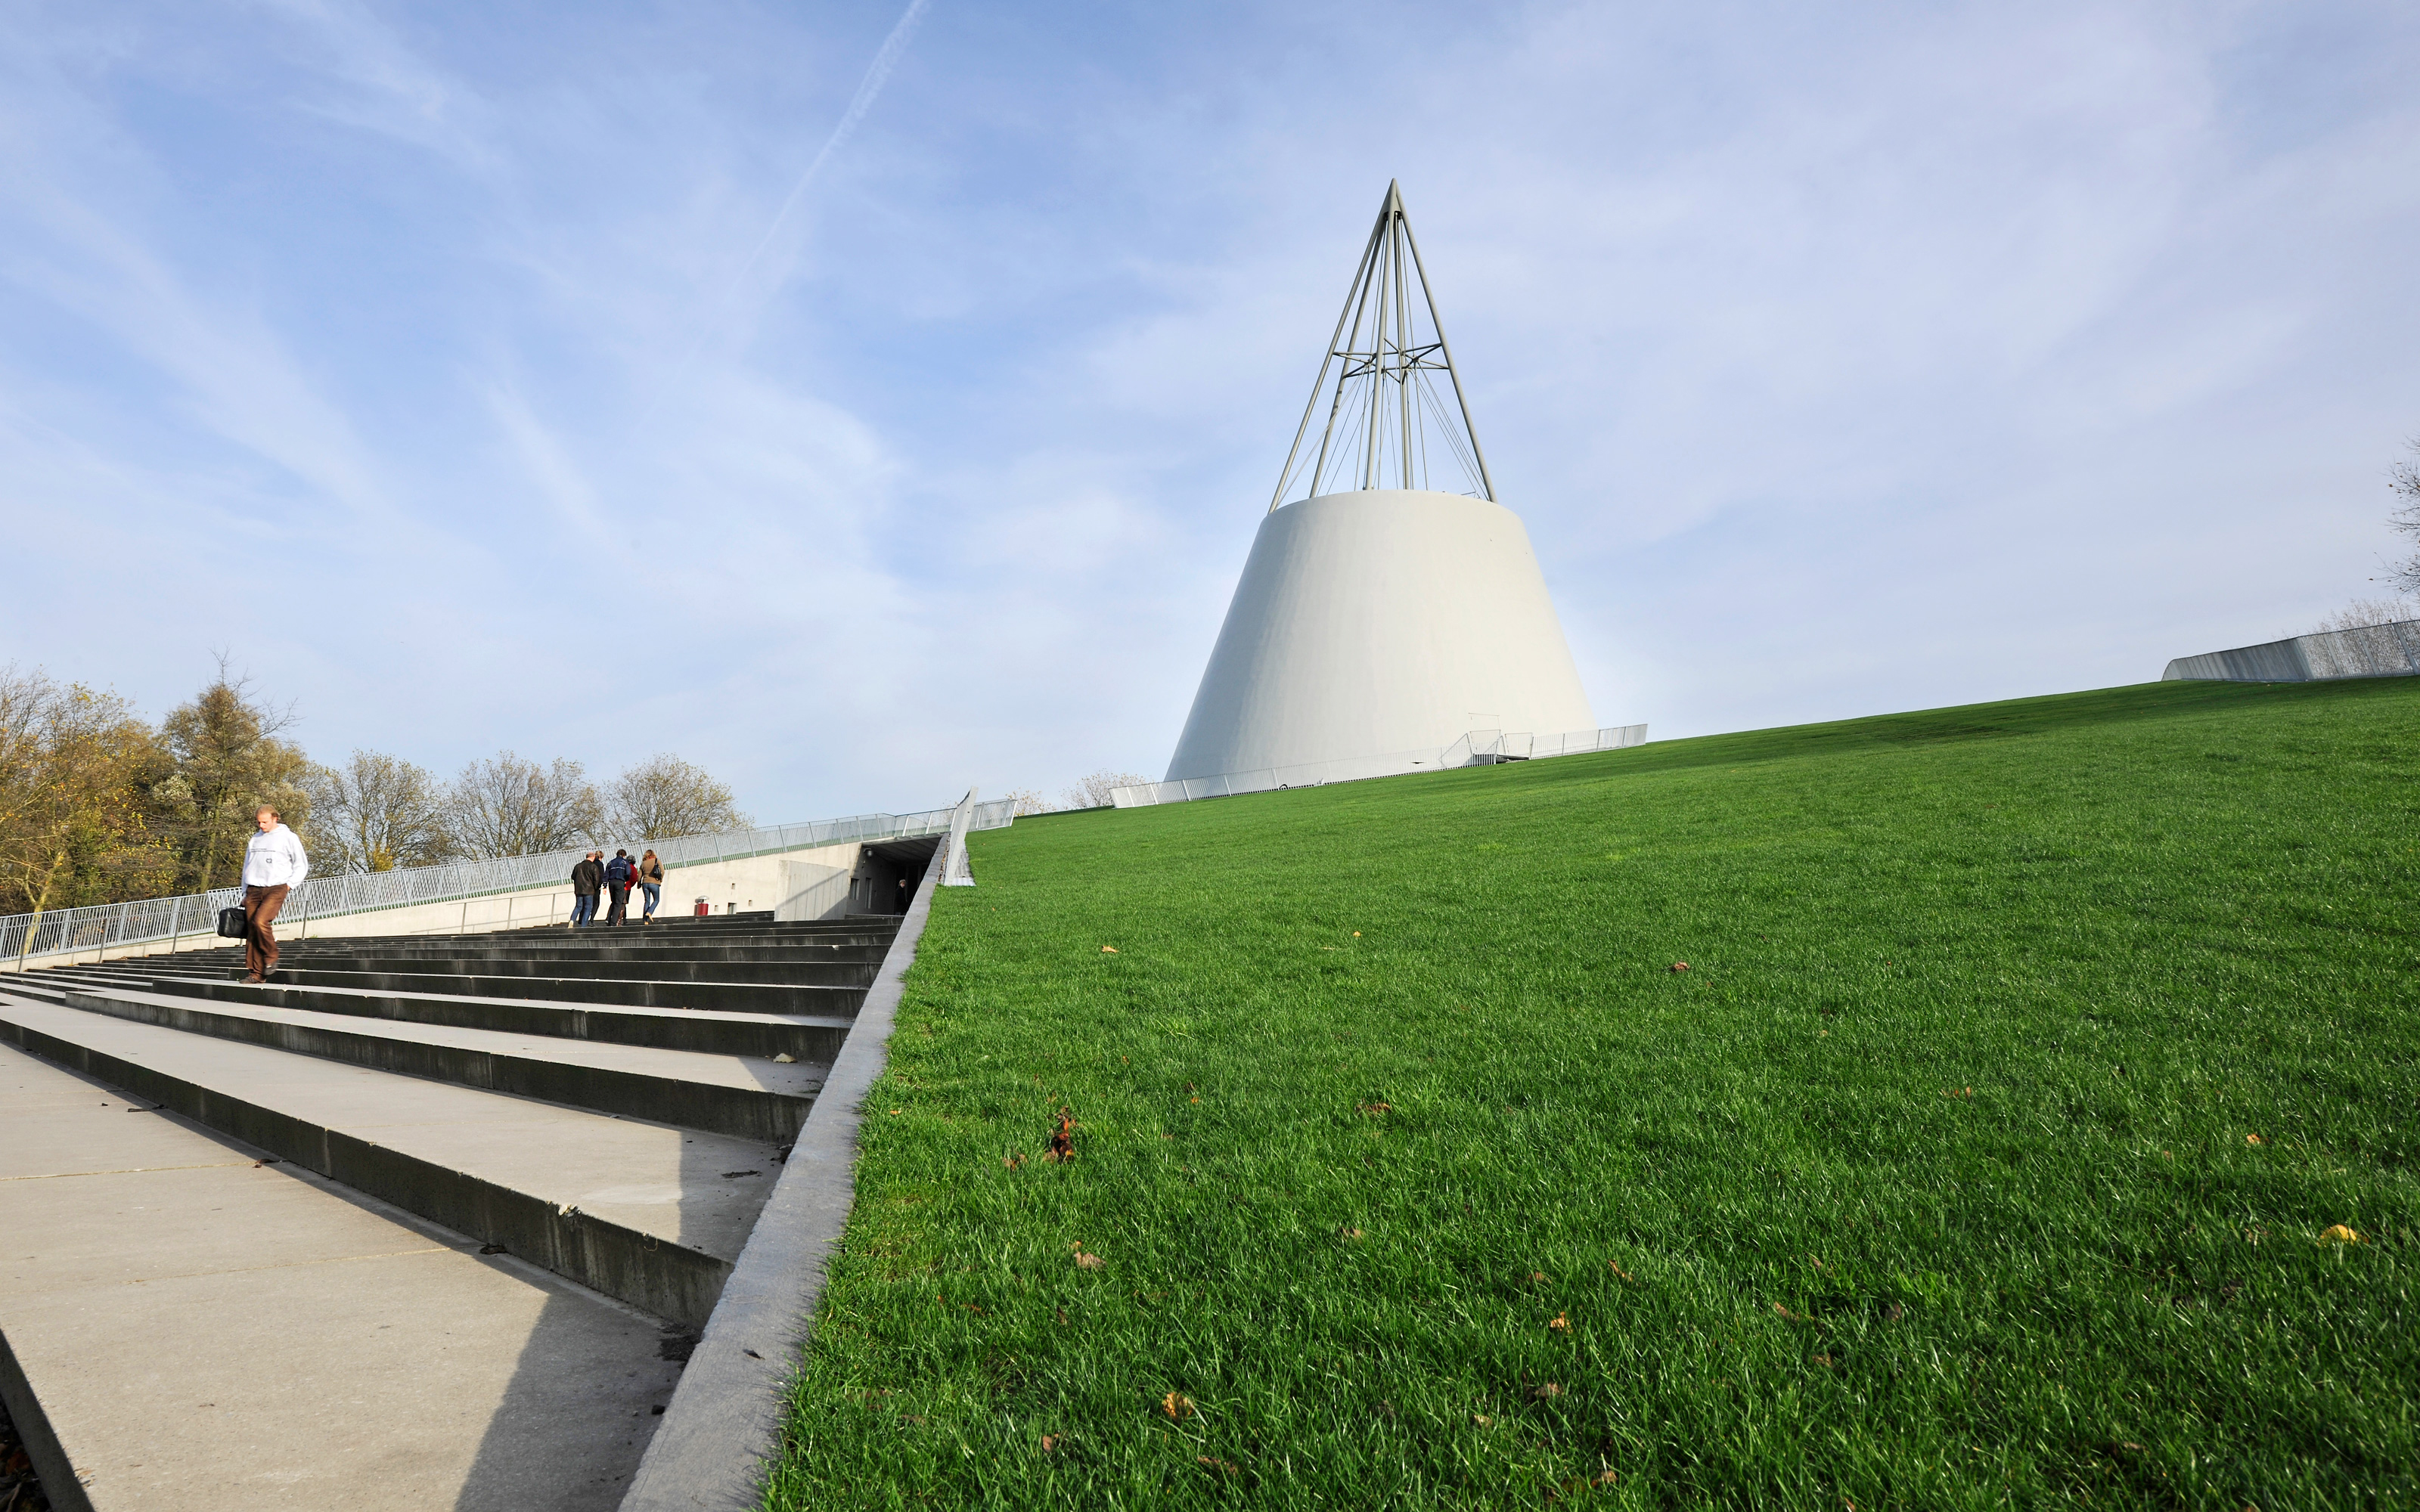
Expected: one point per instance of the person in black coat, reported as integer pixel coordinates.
(586, 879)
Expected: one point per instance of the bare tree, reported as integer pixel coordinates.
(1028, 801)
(504, 806)
(2404, 477)
(664, 796)
(374, 813)
(2361, 613)
(1093, 792)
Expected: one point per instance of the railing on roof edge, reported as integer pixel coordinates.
(103, 926)
(1480, 747)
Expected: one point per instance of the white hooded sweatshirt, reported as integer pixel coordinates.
(274, 860)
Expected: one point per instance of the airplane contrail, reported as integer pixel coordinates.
(877, 73)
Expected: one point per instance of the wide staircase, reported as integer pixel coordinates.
(477, 1193)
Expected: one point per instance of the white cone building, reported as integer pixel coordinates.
(1382, 616)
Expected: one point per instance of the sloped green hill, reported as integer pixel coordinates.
(1989, 1151)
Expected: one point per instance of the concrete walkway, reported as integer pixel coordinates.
(420, 1223)
(205, 1332)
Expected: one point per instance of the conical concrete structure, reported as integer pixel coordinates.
(1384, 614)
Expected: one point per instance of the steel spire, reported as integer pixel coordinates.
(1387, 426)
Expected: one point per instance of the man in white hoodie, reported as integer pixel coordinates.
(272, 864)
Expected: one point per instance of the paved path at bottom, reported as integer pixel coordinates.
(209, 1333)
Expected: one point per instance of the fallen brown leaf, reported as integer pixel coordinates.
(1680, 965)
(1562, 1324)
(1063, 1140)
(2339, 1234)
(1108, 950)
(1620, 1272)
(1087, 1260)
(1177, 1405)
(1208, 1463)
(1050, 1441)
(1547, 1392)
(2252, 1139)
(1014, 1159)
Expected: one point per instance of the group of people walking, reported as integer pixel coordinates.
(615, 878)
(274, 864)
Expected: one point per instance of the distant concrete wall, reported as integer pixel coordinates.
(2372, 651)
(813, 889)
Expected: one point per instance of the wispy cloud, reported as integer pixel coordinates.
(1898, 357)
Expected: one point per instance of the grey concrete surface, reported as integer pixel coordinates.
(801, 1036)
(676, 970)
(742, 1096)
(635, 992)
(724, 1419)
(638, 1211)
(205, 1334)
(562, 1101)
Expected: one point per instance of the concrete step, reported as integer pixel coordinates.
(762, 1035)
(470, 947)
(642, 1211)
(623, 991)
(204, 1332)
(779, 974)
(608, 937)
(747, 1097)
(720, 924)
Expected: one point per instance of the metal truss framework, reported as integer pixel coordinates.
(1386, 411)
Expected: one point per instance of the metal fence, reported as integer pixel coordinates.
(103, 926)
(2372, 651)
(1481, 748)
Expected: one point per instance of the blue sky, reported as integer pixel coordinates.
(492, 375)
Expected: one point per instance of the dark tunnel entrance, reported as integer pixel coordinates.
(889, 873)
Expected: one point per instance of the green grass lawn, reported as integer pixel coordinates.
(1413, 1174)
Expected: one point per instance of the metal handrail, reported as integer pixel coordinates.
(104, 926)
(1478, 749)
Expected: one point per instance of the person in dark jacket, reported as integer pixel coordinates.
(618, 873)
(586, 878)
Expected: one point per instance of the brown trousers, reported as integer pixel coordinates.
(260, 907)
